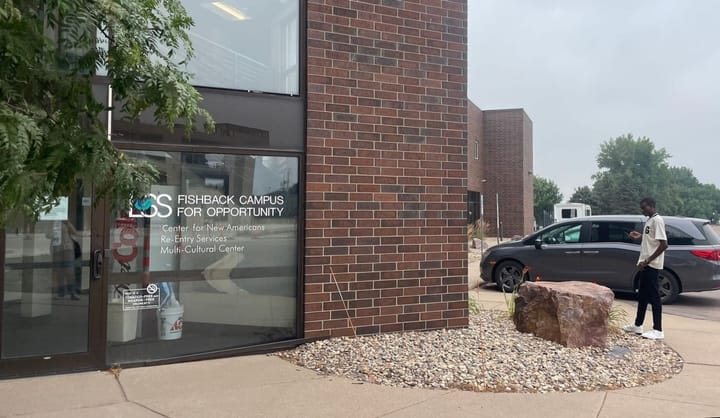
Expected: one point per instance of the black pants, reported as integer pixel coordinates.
(649, 292)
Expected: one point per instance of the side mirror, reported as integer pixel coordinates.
(538, 244)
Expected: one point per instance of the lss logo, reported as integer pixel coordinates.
(151, 206)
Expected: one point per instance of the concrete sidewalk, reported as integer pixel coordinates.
(265, 386)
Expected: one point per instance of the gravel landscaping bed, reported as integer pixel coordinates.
(491, 356)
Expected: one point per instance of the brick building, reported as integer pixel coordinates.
(339, 162)
(386, 166)
(500, 169)
(476, 150)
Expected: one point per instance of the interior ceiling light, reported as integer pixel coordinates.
(235, 13)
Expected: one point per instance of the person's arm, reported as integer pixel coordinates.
(661, 248)
(73, 233)
(71, 227)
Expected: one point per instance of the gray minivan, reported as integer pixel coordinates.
(598, 249)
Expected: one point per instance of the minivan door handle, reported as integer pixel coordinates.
(97, 264)
(572, 252)
(592, 252)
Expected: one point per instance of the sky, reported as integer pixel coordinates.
(587, 71)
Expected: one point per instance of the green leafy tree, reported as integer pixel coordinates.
(630, 168)
(51, 126)
(546, 194)
(686, 196)
(680, 190)
(708, 203)
(585, 195)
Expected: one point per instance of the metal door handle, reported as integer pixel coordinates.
(97, 264)
(572, 252)
(592, 252)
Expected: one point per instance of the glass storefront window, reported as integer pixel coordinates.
(242, 45)
(246, 44)
(46, 280)
(208, 261)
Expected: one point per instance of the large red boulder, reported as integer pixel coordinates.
(574, 314)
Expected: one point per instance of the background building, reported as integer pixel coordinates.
(500, 168)
(476, 176)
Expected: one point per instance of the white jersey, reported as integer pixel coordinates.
(653, 233)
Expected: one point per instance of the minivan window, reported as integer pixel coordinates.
(708, 231)
(563, 234)
(676, 236)
(691, 233)
(612, 232)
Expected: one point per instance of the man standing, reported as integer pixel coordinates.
(651, 261)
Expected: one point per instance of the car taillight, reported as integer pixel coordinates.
(712, 255)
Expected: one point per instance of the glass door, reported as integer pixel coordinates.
(51, 317)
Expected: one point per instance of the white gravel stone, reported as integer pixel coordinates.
(489, 355)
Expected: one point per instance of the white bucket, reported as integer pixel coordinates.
(170, 322)
(121, 325)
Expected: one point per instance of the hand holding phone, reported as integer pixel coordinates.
(634, 234)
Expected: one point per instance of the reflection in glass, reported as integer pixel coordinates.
(219, 239)
(245, 44)
(45, 280)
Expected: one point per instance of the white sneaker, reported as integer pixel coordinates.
(653, 335)
(633, 328)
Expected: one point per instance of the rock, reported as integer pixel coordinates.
(574, 314)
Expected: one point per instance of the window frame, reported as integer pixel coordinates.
(569, 225)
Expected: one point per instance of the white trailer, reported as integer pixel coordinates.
(571, 210)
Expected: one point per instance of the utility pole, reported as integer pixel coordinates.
(482, 225)
(497, 216)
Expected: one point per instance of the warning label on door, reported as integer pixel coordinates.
(138, 299)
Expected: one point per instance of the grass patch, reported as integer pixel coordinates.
(617, 317)
(510, 298)
(473, 306)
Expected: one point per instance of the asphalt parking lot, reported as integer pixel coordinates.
(701, 305)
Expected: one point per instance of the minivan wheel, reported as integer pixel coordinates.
(508, 275)
(669, 287)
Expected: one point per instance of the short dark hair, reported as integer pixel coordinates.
(649, 201)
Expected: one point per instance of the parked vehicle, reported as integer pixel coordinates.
(599, 249)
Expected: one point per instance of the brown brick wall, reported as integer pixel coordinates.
(386, 165)
(527, 173)
(507, 162)
(475, 167)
